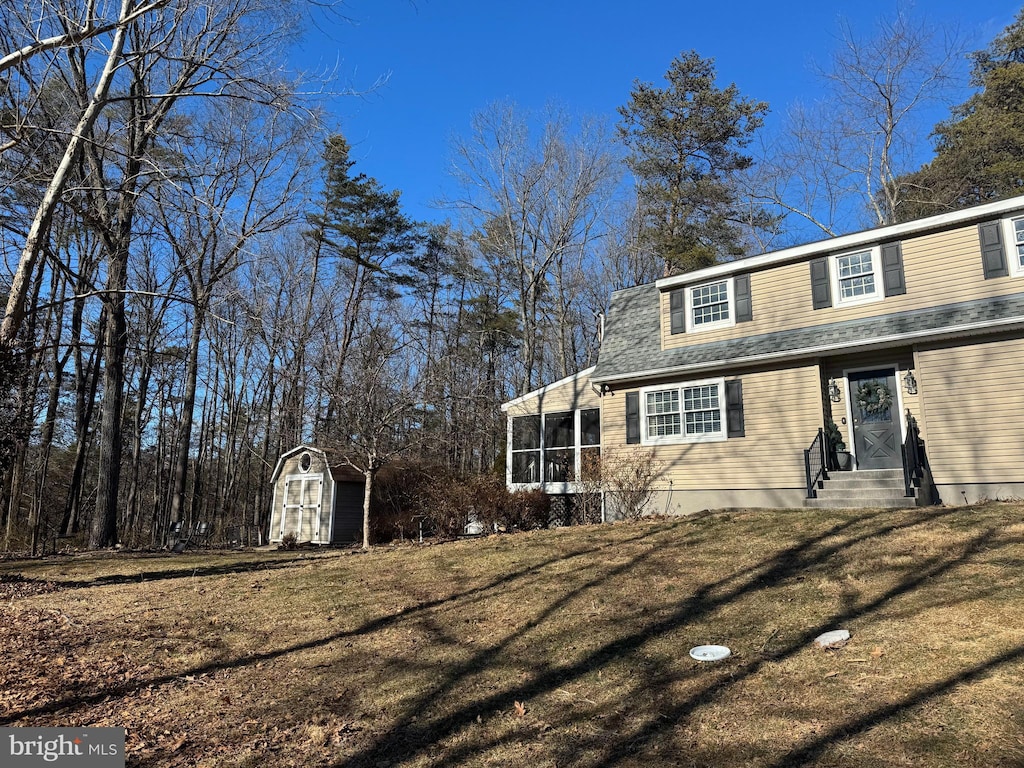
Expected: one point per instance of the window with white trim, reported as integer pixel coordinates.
(710, 305)
(559, 442)
(690, 412)
(526, 449)
(554, 447)
(1013, 234)
(857, 277)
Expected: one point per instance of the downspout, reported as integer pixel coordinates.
(601, 391)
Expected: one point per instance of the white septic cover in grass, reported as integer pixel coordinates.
(710, 652)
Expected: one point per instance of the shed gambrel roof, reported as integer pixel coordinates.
(632, 351)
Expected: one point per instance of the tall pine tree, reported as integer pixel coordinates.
(685, 143)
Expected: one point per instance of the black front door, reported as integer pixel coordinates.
(876, 426)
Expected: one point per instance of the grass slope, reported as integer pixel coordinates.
(552, 648)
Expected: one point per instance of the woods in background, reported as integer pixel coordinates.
(200, 277)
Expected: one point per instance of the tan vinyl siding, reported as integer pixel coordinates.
(973, 405)
(940, 268)
(570, 396)
(769, 456)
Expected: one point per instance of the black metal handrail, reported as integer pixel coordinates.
(914, 462)
(815, 466)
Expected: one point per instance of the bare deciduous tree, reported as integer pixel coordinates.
(536, 206)
(834, 166)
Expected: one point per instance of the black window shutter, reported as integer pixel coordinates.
(677, 310)
(744, 308)
(632, 418)
(992, 257)
(821, 291)
(892, 270)
(734, 409)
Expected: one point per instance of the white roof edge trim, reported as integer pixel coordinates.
(843, 242)
(547, 388)
(895, 339)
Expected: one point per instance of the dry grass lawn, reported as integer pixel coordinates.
(554, 648)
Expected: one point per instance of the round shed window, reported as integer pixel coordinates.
(305, 462)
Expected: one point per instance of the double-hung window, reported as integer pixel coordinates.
(664, 418)
(857, 277)
(691, 412)
(1013, 230)
(710, 305)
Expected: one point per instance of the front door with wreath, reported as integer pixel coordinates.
(876, 414)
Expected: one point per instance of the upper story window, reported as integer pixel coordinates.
(691, 412)
(1014, 231)
(718, 304)
(857, 277)
(710, 303)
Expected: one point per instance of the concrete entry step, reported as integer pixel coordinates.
(862, 489)
(904, 502)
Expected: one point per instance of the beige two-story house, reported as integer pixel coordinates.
(909, 338)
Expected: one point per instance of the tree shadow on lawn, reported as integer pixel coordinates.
(198, 571)
(71, 703)
(415, 735)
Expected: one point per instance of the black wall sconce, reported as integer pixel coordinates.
(833, 391)
(910, 383)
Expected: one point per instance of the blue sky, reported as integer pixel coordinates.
(446, 59)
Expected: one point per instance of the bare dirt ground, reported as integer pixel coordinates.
(551, 648)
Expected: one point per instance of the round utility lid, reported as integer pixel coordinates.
(710, 652)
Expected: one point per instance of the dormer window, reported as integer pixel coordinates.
(1014, 232)
(710, 305)
(857, 277)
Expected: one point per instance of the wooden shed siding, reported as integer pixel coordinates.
(939, 268)
(568, 397)
(769, 456)
(973, 406)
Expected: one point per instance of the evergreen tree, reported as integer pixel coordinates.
(685, 144)
(980, 149)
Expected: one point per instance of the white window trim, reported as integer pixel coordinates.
(539, 450)
(682, 438)
(876, 271)
(731, 297)
(577, 448)
(1010, 246)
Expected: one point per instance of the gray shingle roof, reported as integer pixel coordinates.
(632, 343)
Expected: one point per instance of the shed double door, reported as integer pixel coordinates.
(302, 499)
